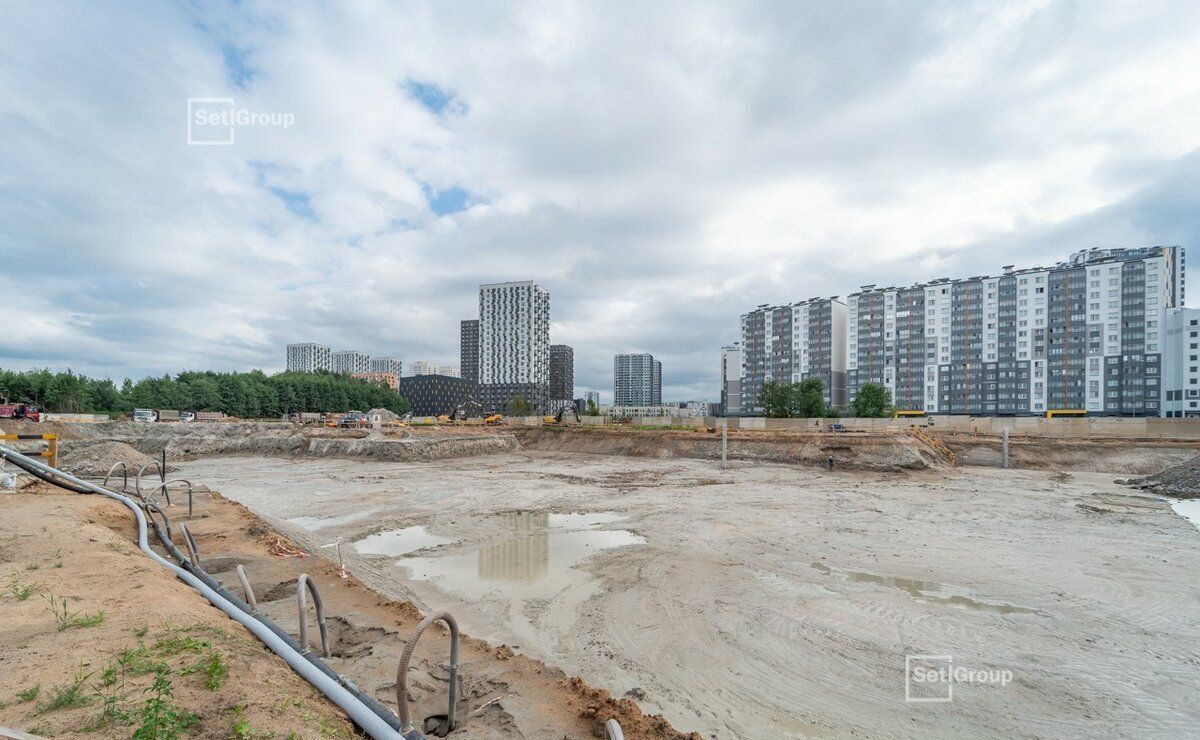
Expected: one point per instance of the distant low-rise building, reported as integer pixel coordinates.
(434, 394)
(391, 380)
(681, 409)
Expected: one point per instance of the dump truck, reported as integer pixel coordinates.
(210, 415)
(168, 415)
(22, 411)
(145, 415)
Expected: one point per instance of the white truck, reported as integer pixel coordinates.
(145, 415)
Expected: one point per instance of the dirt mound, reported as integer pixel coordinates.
(1179, 481)
(384, 415)
(96, 458)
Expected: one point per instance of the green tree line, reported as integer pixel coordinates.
(805, 400)
(247, 395)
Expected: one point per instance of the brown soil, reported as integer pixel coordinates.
(884, 451)
(502, 694)
(62, 546)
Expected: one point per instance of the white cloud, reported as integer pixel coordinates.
(660, 168)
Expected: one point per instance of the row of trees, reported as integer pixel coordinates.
(806, 400)
(248, 395)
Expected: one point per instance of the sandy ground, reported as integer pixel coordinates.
(770, 601)
(61, 546)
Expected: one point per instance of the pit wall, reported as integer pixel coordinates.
(1030, 426)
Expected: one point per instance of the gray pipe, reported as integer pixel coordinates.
(406, 723)
(372, 724)
(253, 602)
(305, 584)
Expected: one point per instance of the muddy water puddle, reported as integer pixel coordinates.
(534, 554)
(1188, 509)
(927, 591)
(399, 542)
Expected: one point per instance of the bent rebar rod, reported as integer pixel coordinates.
(190, 541)
(137, 482)
(167, 492)
(124, 476)
(253, 602)
(406, 723)
(370, 722)
(305, 585)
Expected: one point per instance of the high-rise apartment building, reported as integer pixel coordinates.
(592, 397)
(514, 345)
(387, 365)
(1084, 334)
(468, 349)
(731, 380)
(308, 358)
(1181, 363)
(788, 344)
(422, 367)
(350, 361)
(562, 375)
(637, 380)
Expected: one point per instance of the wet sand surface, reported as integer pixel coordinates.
(769, 601)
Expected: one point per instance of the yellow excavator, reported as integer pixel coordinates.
(559, 418)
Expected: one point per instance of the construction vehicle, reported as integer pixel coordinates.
(21, 411)
(168, 415)
(898, 413)
(494, 420)
(560, 417)
(145, 415)
(460, 411)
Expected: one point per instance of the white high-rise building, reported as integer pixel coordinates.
(421, 367)
(1181, 363)
(308, 358)
(350, 361)
(514, 344)
(387, 365)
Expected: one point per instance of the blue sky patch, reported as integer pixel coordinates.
(433, 98)
(450, 200)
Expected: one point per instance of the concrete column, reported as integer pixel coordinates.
(1005, 449)
(724, 444)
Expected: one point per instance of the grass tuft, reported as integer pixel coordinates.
(68, 696)
(67, 619)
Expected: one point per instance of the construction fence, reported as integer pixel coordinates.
(1030, 426)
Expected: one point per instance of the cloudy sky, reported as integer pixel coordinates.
(659, 167)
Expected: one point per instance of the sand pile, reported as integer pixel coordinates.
(1179, 481)
(384, 415)
(95, 458)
